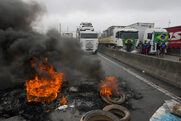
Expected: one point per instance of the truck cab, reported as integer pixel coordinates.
(123, 35)
(88, 41)
(153, 35)
(86, 26)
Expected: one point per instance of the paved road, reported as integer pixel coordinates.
(154, 91)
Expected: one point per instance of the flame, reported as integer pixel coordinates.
(63, 101)
(109, 86)
(44, 88)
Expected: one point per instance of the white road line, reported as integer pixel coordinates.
(144, 80)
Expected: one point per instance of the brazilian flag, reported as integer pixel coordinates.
(125, 41)
(162, 36)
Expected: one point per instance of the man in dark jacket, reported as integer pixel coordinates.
(145, 48)
(163, 48)
(149, 47)
(158, 48)
(129, 45)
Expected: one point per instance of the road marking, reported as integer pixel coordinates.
(173, 96)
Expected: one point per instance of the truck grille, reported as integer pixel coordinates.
(89, 46)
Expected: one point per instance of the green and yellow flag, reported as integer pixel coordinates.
(125, 41)
(162, 36)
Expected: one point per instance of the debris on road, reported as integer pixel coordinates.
(99, 115)
(63, 107)
(173, 106)
(79, 100)
(169, 111)
(119, 111)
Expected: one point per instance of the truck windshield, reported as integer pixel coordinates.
(88, 35)
(87, 24)
(124, 34)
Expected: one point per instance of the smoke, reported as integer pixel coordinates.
(19, 44)
(17, 14)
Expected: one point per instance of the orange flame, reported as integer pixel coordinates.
(108, 86)
(63, 101)
(44, 88)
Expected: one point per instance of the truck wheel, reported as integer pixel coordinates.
(99, 115)
(119, 111)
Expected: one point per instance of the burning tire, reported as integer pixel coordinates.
(119, 111)
(120, 100)
(99, 115)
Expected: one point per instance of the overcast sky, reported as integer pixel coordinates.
(104, 13)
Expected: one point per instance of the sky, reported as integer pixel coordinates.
(104, 13)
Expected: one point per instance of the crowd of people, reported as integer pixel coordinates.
(144, 48)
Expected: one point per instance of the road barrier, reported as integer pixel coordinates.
(157, 67)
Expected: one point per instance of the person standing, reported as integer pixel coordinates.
(163, 48)
(148, 47)
(129, 45)
(158, 48)
(145, 48)
(139, 47)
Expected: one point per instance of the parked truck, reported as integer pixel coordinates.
(118, 37)
(175, 37)
(141, 27)
(174, 42)
(149, 34)
(88, 40)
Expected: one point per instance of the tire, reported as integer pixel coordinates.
(119, 111)
(99, 115)
(111, 101)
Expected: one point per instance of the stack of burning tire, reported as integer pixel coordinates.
(114, 111)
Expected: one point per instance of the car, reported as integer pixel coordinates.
(86, 26)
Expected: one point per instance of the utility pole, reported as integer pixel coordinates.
(60, 29)
(67, 29)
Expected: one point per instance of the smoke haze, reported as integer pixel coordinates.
(19, 44)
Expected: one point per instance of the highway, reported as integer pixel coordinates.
(154, 91)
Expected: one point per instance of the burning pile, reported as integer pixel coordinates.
(44, 87)
(109, 86)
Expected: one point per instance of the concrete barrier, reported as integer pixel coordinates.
(162, 69)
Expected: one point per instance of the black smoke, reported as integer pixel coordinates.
(19, 44)
(19, 15)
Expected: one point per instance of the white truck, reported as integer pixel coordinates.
(88, 40)
(148, 33)
(118, 36)
(153, 35)
(86, 26)
(141, 27)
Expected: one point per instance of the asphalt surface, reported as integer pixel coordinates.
(154, 91)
